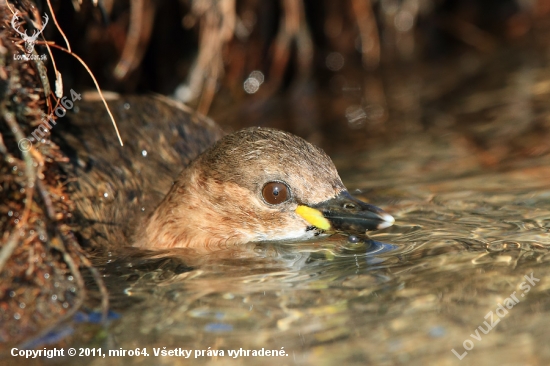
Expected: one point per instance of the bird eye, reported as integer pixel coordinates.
(275, 193)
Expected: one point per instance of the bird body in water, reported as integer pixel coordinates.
(178, 182)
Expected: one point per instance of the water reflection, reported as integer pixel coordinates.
(245, 268)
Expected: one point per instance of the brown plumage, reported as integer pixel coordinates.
(217, 198)
(115, 188)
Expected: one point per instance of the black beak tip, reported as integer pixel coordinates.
(346, 213)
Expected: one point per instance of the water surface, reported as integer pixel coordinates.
(460, 247)
(466, 179)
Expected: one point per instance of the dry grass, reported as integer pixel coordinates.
(40, 260)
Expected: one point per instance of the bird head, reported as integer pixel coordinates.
(258, 184)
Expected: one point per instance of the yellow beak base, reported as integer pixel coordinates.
(314, 217)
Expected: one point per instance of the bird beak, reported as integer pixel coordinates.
(345, 213)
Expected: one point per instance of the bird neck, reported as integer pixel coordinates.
(192, 216)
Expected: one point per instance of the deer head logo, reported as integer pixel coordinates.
(29, 40)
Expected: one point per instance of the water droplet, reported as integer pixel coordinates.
(22, 305)
(54, 297)
(251, 85)
(16, 316)
(144, 152)
(105, 194)
(126, 106)
(353, 239)
(46, 275)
